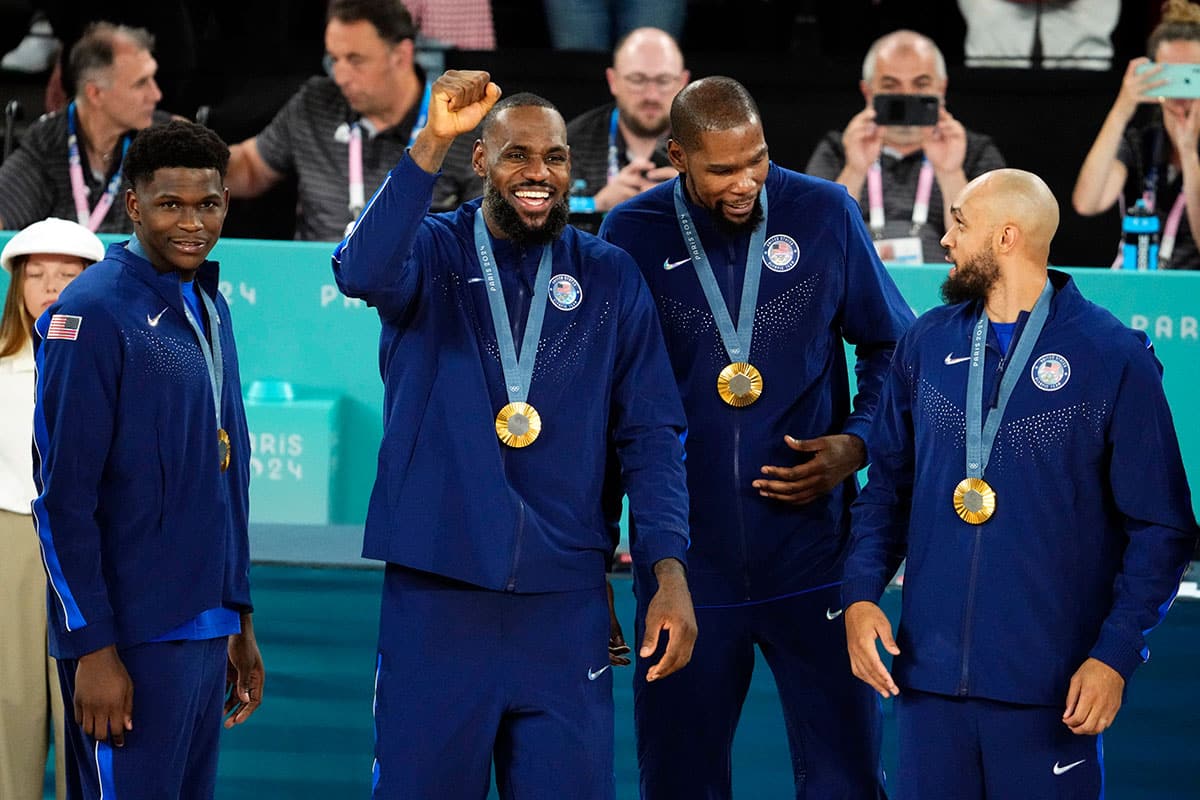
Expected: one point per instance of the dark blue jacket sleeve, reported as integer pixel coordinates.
(879, 517)
(379, 260)
(874, 317)
(649, 427)
(1151, 492)
(77, 389)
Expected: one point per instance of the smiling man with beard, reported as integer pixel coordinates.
(515, 350)
(761, 276)
(1025, 463)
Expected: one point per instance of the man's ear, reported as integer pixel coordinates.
(479, 159)
(131, 205)
(677, 156)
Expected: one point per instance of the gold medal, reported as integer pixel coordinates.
(974, 500)
(740, 384)
(224, 450)
(518, 424)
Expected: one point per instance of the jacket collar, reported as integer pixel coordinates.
(164, 284)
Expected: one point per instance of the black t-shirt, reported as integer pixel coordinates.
(1146, 148)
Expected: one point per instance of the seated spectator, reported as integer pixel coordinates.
(908, 174)
(1156, 160)
(620, 149)
(341, 134)
(69, 162)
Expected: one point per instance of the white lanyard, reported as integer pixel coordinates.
(1171, 230)
(358, 196)
(920, 212)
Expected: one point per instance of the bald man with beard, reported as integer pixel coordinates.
(1024, 461)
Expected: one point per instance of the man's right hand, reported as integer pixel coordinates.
(637, 176)
(104, 696)
(1138, 88)
(458, 102)
(862, 141)
(865, 623)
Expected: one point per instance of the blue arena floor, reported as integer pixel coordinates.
(313, 736)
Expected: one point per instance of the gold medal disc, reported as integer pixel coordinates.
(974, 500)
(740, 384)
(518, 424)
(224, 450)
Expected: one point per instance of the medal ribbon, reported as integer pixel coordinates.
(614, 166)
(79, 189)
(981, 434)
(920, 213)
(358, 195)
(518, 371)
(736, 340)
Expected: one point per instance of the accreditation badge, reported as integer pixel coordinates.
(740, 384)
(974, 500)
(904, 250)
(518, 424)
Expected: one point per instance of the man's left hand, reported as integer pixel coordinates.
(1093, 698)
(835, 459)
(945, 144)
(244, 676)
(670, 611)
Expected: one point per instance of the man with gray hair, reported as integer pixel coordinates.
(904, 174)
(69, 162)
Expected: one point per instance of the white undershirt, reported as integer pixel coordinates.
(16, 431)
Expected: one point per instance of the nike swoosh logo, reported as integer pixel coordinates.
(669, 265)
(831, 614)
(474, 280)
(1060, 770)
(593, 675)
(951, 361)
(154, 320)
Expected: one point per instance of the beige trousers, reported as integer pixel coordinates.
(29, 695)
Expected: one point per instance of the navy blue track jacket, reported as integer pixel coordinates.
(1093, 523)
(140, 529)
(828, 286)
(449, 498)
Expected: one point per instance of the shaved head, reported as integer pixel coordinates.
(711, 104)
(1018, 198)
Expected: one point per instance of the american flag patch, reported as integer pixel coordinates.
(64, 326)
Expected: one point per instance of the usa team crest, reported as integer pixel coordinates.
(1050, 372)
(565, 293)
(780, 253)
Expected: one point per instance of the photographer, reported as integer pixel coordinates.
(904, 170)
(1156, 160)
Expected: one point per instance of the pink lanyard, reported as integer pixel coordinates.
(920, 213)
(1170, 231)
(79, 189)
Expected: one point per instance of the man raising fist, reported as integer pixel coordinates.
(514, 350)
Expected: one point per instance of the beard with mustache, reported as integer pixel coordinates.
(973, 279)
(509, 220)
(733, 229)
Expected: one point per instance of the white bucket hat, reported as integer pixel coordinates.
(52, 235)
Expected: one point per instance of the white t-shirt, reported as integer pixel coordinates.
(16, 431)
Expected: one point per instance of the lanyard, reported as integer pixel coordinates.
(981, 434)
(1171, 230)
(736, 340)
(614, 166)
(79, 189)
(920, 212)
(518, 370)
(358, 197)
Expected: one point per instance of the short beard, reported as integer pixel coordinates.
(732, 229)
(638, 129)
(509, 221)
(973, 279)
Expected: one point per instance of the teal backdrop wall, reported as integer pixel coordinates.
(314, 455)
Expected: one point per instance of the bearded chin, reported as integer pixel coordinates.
(972, 280)
(509, 220)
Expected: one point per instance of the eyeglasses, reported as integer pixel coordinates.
(640, 82)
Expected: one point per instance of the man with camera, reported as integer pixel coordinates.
(904, 156)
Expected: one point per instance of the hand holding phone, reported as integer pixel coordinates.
(1174, 80)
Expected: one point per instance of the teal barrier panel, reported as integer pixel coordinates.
(293, 325)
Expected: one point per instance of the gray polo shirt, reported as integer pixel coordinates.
(304, 139)
(35, 182)
(900, 186)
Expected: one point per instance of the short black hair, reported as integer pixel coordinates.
(390, 18)
(518, 100)
(716, 103)
(178, 143)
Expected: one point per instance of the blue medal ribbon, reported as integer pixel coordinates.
(736, 340)
(981, 433)
(518, 370)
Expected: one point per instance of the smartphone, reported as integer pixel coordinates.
(907, 109)
(1182, 80)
